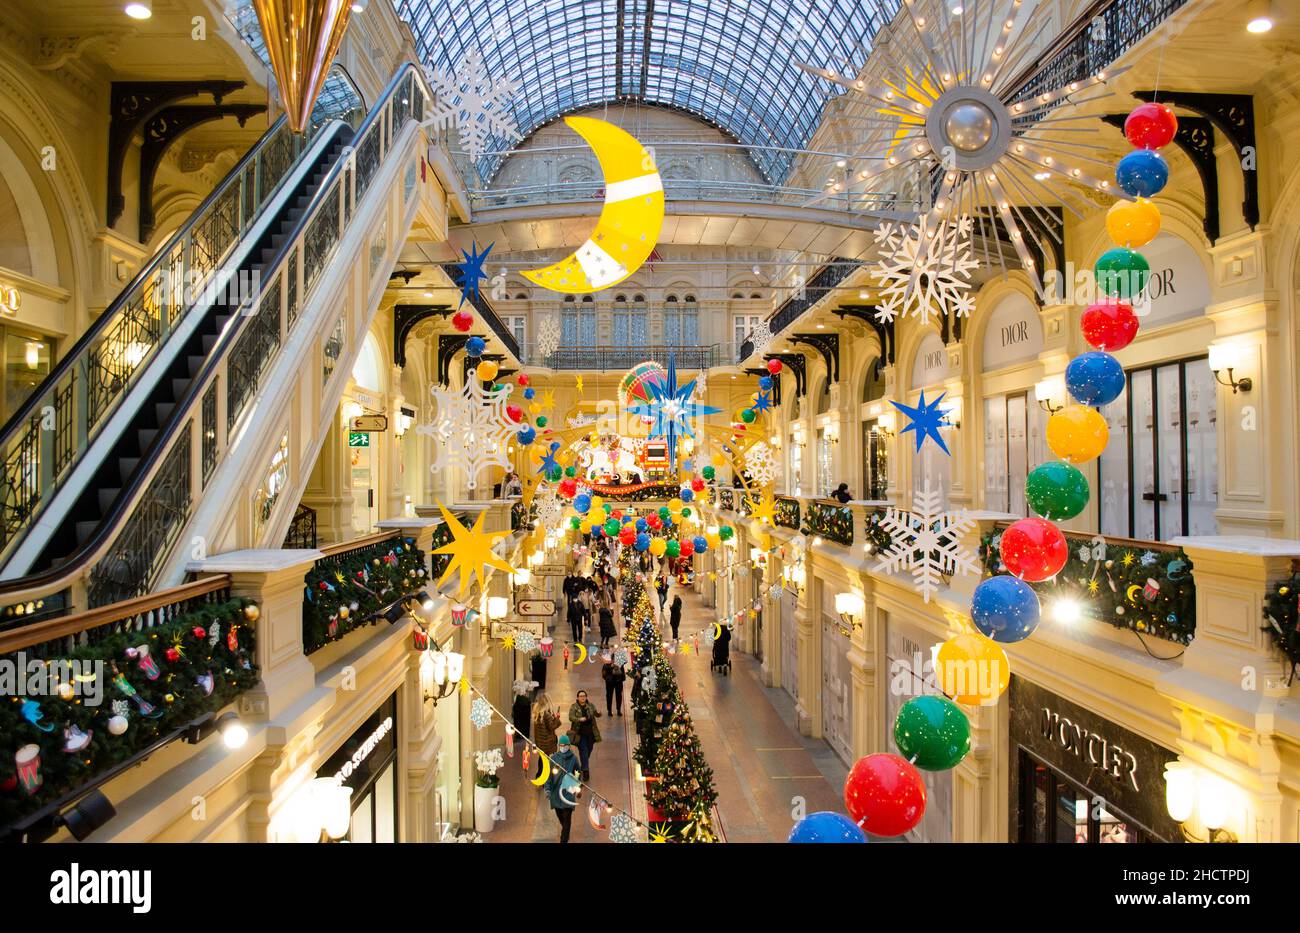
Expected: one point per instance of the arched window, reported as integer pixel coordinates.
(629, 324)
(873, 386)
(368, 372)
(681, 322)
(578, 323)
(737, 295)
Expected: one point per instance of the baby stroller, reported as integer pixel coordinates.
(722, 652)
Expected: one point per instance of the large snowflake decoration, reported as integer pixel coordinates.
(924, 271)
(480, 713)
(760, 464)
(760, 336)
(549, 510)
(471, 429)
(622, 828)
(474, 102)
(927, 542)
(525, 641)
(548, 337)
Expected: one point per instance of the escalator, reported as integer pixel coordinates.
(90, 503)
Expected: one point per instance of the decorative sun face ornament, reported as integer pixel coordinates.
(959, 106)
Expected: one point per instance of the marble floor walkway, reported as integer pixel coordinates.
(763, 769)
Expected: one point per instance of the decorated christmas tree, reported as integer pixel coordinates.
(683, 788)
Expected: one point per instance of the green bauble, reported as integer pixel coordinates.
(664, 514)
(570, 471)
(708, 472)
(541, 421)
(725, 532)
(932, 733)
(575, 523)
(747, 415)
(612, 526)
(1056, 490)
(674, 549)
(1122, 273)
(554, 474)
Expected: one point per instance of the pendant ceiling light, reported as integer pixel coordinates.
(302, 37)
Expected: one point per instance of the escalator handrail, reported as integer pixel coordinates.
(128, 499)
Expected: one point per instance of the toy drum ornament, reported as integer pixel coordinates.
(458, 614)
(547, 646)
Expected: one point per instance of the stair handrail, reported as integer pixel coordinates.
(139, 487)
(54, 426)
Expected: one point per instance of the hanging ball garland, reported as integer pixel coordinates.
(884, 794)
(1142, 173)
(826, 827)
(932, 733)
(1151, 126)
(1005, 609)
(1109, 325)
(475, 346)
(1034, 549)
(1094, 378)
(972, 670)
(1056, 490)
(1077, 434)
(1133, 223)
(774, 366)
(526, 435)
(463, 321)
(487, 371)
(1122, 273)
(709, 472)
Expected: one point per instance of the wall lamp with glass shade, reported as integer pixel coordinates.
(1227, 356)
(885, 424)
(1194, 792)
(852, 609)
(1050, 393)
(952, 413)
(320, 811)
(445, 670)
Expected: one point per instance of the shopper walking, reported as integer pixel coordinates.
(546, 727)
(607, 630)
(675, 614)
(661, 588)
(614, 675)
(583, 731)
(562, 787)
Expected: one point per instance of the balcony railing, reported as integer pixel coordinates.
(822, 283)
(356, 583)
(830, 520)
(620, 359)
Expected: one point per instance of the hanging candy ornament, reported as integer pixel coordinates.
(1034, 549)
(1151, 126)
(1133, 223)
(1142, 173)
(1056, 490)
(884, 795)
(598, 813)
(510, 740)
(1077, 434)
(463, 321)
(1094, 378)
(932, 733)
(1122, 273)
(1109, 325)
(826, 827)
(1005, 609)
(972, 670)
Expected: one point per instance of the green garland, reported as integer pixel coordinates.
(1282, 618)
(830, 521)
(1146, 591)
(354, 588)
(787, 512)
(213, 642)
(877, 536)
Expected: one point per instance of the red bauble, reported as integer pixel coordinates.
(172, 654)
(523, 379)
(617, 513)
(462, 321)
(199, 632)
(1109, 325)
(884, 794)
(10, 783)
(627, 536)
(687, 548)
(1151, 126)
(568, 487)
(773, 366)
(514, 413)
(654, 521)
(697, 484)
(1034, 549)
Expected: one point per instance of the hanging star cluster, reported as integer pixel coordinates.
(671, 409)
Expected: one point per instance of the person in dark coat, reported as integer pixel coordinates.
(546, 726)
(614, 675)
(607, 630)
(564, 764)
(675, 615)
(661, 588)
(583, 730)
(842, 494)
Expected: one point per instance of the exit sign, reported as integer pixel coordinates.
(358, 439)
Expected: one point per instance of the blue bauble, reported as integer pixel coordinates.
(826, 827)
(526, 435)
(529, 392)
(475, 346)
(686, 494)
(1142, 173)
(642, 542)
(582, 503)
(701, 544)
(1094, 378)
(1005, 609)
(641, 525)
(765, 383)
(597, 529)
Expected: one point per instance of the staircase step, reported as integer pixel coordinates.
(195, 363)
(145, 436)
(106, 497)
(162, 410)
(126, 467)
(85, 530)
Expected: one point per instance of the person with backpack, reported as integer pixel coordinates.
(562, 787)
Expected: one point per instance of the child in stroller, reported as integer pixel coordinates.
(722, 650)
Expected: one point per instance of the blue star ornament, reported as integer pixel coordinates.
(926, 421)
(548, 459)
(471, 271)
(763, 402)
(671, 408)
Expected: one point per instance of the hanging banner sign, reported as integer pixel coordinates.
(369, 423)
(535, 607)
(550, 570)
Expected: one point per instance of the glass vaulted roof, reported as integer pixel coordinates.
(732, 62)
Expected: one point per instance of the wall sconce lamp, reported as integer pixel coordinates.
(445, 670)
(885, 424)
(1228, 356)
(852, 609)
(952, 413)
(1048, 391)
(1191, 790)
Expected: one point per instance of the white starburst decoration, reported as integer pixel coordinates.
(549, 509)
(471, 429)
(474, 102)
(927, 541)
(924, 271)
(760, 464)
(548, 336)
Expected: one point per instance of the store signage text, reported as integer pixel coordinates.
(1089, 746)
(368, 746)
(1015, 333)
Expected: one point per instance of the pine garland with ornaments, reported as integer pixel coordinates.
(352, 589)
(145, 685)
(1282, 619)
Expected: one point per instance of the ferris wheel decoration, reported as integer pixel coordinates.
(955, 108)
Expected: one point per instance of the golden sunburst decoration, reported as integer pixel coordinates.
(956, 112)
(470, 550)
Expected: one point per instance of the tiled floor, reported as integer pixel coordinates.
(761, 765)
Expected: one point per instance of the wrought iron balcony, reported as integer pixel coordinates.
(619, 359)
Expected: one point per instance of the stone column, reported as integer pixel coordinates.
(864, 650)
(808, 624)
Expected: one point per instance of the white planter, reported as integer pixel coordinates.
(483, 799)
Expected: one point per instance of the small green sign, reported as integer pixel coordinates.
(358, 439)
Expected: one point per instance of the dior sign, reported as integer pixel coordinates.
(1090, 747)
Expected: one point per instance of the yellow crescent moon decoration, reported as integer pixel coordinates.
(546, 769)
(629, 222)
(717, 630)
(1128, 593)
(583, 655)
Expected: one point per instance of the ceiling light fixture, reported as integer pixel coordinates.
(1259, 17)
(139, 9)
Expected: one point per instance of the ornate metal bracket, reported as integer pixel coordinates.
(132, 104)
(163, 129)
(404, 274)
(1233, 115)
(405, 317)
(776, 382)
(884, 330)
(1196, 138)
(828, 345)
(799, 364)
(448, 346)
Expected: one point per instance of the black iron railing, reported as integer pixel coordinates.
(787, 512)
(830, 520)
(822, 283)
(618, 359)
(302, 530)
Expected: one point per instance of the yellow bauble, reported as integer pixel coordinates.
(713, 539)
(597, 502)
(1133, 223)
(585, 528)
(593, 439)
(675, 505)
(252, 612)
(719, 460)
(486, 370)
(533, 409)
(972, 669)
(658, 546)
(1077, 434)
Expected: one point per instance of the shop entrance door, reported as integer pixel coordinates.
(836, 689)
(1055, 809)
(363, 460)
(789, 645)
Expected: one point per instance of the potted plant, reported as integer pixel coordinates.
(488, 762)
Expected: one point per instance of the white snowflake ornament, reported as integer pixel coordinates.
(549, 509)
(525, 641)
(622, 828)
(927, 542)
(480, 713)
(473, 102)
(761, 335)
(471, 430)
(924, 272)
(760, 464)
(548, 337)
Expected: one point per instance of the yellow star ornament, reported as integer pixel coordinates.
(470, 550)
